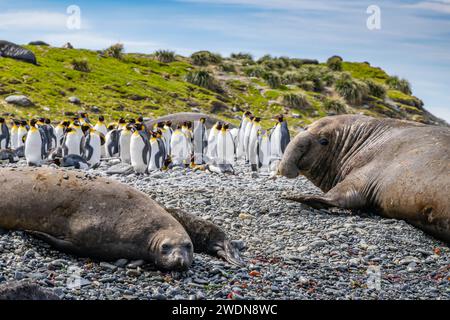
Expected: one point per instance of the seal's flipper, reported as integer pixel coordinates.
(316, 202)
(228, 252)
(59, 244)
(207, 237)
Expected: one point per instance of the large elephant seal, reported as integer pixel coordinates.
(400, 168)
(101, 218)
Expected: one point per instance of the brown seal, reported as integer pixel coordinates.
(399, 168)
(101, 218)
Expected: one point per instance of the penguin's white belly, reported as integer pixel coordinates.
(95, 143)
(73, 144)
(225, 148)
(124, 143)
(136, 154)
(275, 144)
(59, 133)
(20, 135)
(33, 148)
(154, 163)
(14, 135)
(179, 149)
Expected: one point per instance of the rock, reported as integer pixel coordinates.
(74, 100)
(134, 272)
(245, 216)
(408, 260)
(68, 45)
(121, 263)
(95, 109)
(121, 168)
(136, 263)
(38, 43)
(25, 291)
(108, 266)
(19, 100)
(14, 51)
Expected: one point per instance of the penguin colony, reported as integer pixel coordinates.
(82, 144)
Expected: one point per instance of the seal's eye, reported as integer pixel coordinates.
(323, 141)
(165, 248)
(188, 246)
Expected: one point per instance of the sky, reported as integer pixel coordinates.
(412, 41)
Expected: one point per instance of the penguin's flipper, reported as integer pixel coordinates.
(60, 244)
(207, 237)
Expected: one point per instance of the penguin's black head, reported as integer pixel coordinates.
(140, 119)
(42, 120)
(111, 127)
(160, 125)
(179, 127)
(101, 118)
(132, 121)
(172, 250)
(280, 118)
(33, 122)
(76, 123)
(247, 113)
(122, 121)
(226, 126)
(47, 121)
(252, 117)
(169, 124)
(23, 122)
(70, 130)
(85, 128)
(219, 126)
(257, 119)
(65, 123)
(2, 120)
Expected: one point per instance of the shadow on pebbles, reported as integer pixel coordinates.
(292, 251)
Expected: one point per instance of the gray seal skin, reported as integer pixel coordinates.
(398, 168)
(100, 218)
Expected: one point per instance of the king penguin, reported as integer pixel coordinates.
(200, 141)
(34, 145)
(112, 142)
(248, 130)
(279, 139)
(72, 142)
(158, 151)
(264, 151)
(240, 138)
(5, 138)
(92, 150)
(179, 148)
(14, 133)
(59, 132)
(211, 151)
(253, 144)
(139, 149)
(225, 146)
(21, 134)
(124, 143)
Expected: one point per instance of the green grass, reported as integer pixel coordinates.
(139, 84)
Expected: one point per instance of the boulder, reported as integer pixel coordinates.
(68, 45)
(38, 43)
(14, 51)
(74, 100)
(19, 100)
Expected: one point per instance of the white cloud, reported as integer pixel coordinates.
(35, 20)
(283, 4)
(442, 6)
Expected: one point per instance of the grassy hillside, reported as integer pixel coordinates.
(153, 85)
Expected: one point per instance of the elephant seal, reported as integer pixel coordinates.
(398, 168)
(100, 218)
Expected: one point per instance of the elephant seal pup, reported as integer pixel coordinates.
(100, 218)
(399, 168)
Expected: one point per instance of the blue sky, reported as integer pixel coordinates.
(413, 42)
